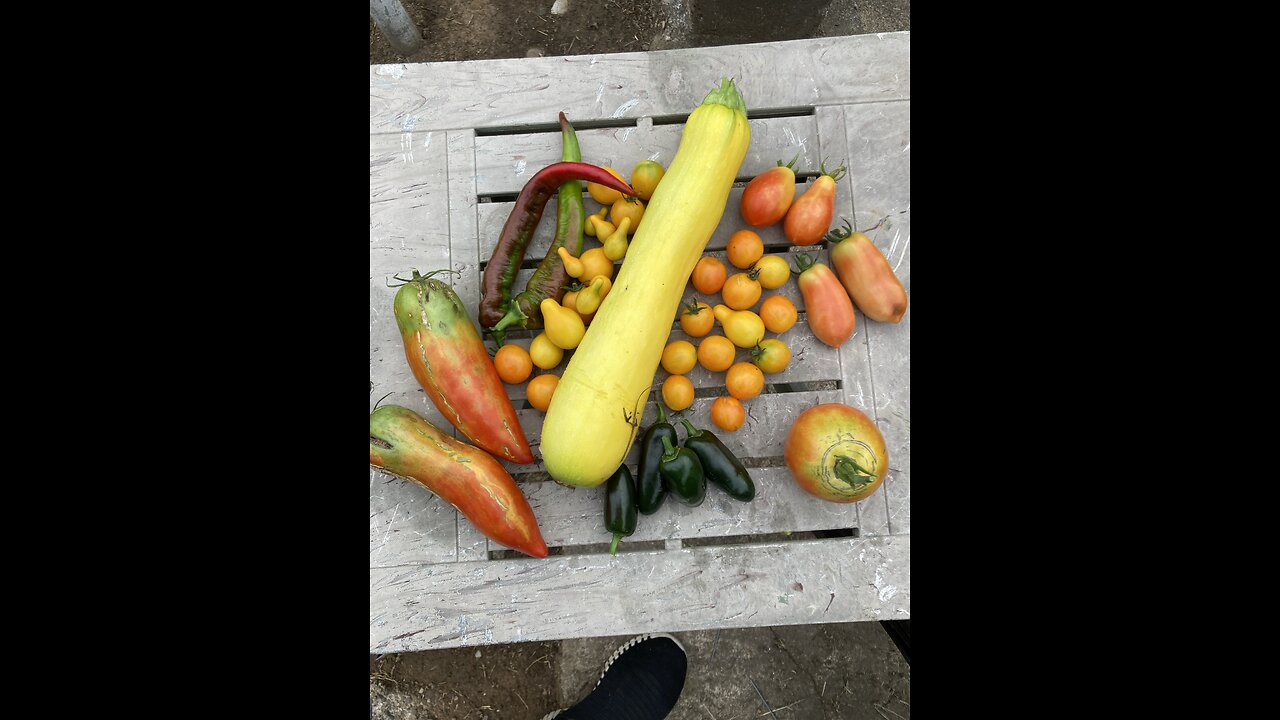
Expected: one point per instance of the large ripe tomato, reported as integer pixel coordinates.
(768, 196)
(835, 452)
(810, 216)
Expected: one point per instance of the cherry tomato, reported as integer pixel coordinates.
(696, 318)
(645, 178)
(774, 271)
(708, 276)
(766, 199)
(513, 364)
(677, 392)
(741, 291)
(540, 390)
(544, 353)
(679, 357)
(727, 413)
(604, 195)
(716, 352)
(595, 262)
(771, 356)
(778, 313)
(745, 248)
(627, 207)
(744, 380)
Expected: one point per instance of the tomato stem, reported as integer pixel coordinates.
(839, 234)
(790, 165)
(851, 473)
(836, 174)
(804, 261)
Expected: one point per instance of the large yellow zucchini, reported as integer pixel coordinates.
(595, 412)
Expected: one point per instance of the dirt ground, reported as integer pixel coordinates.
(479, 29)
(798, 672)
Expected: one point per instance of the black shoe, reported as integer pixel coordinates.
(642, 681)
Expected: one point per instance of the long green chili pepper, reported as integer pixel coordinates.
(504, 263)
(682, 472)
(620, 506)
(549, 280)
(718, 464)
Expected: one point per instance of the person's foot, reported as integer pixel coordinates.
(642, 681)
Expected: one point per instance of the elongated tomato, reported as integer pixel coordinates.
(766, 199)
(810, 215)
(404, 444)
(449, 360)
(868, 277)
(829, 309)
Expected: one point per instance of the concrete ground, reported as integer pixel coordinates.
(851, 670)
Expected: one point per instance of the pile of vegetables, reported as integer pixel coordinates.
(609, 311)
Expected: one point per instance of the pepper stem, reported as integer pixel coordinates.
(514, 315)
(662, 413)
(851, 473)
(613, 548)
(690, 429)
(669, 452)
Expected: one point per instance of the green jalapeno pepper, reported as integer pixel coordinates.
(682, 474)
(718, 464)
(650, 491)
(620, 506)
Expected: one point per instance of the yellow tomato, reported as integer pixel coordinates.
(544, 353)
(677, 392)
(645, 178)
(541, 389)
(774, 271)
(679, 357)
(778, 313)
(771, 356)
(716, 353)
(595, 262)
(602, 194)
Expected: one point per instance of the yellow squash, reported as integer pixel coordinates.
(595, 413)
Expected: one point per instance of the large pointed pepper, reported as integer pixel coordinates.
(449, 359)
(404, 444)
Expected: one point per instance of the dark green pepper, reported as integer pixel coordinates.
(650, 491)
(620, 506)
(718, 464)
(682, 474)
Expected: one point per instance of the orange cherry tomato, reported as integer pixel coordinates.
(696, 318)
(645, 178)
(604, 195)
(513, 364)
(677, 392)
(540, 390)
(679, 357)
(771, 356)
(741, 290)
(716, 352)
(627, 207)
(744, 380)
(728, 414)
(708, 276)
(744, 249)
(778, 313)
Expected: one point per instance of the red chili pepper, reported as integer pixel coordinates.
(503, 265)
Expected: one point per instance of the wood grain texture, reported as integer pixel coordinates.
(497, 93)
(690, 588)
(879, 137)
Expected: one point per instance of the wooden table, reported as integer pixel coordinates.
(450, 144)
